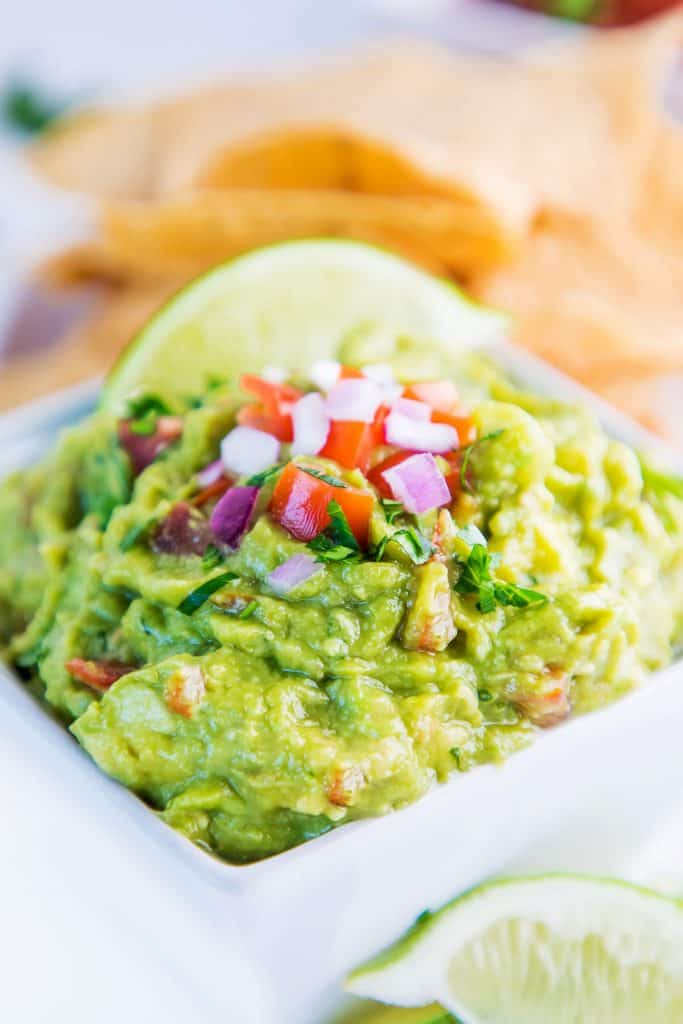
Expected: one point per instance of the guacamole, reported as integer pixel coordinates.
(283, 605)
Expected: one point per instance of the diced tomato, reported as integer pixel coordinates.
(185, 690)
(357, 507)
(462, 423)
(350, 373)
(375, 474)
(440, 395)
(350, 443)
(214, 490)
(98, 675)
(300, 502)
(273, 412)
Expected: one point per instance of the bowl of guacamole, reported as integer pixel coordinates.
(295, 600)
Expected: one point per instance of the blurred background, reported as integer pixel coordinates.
(543, 160)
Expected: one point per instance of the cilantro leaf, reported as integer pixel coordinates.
(28, 110)
(212, 557)
(411, 541)
(476, 578)
(392, 510)
(467, 452)
(325, 477)
(339, 530)
(337, 542)
(144, 411)
(136, 533)
(196, 598)
(259, 479)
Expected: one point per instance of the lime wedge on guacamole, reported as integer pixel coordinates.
(287, 305)
(557, 948)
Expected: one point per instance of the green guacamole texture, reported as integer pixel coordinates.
(317, 708)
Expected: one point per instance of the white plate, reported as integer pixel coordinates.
(271, 941)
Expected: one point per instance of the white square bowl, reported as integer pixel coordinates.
(279, 935)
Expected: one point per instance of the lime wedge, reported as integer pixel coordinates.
(557, 948)
(288, 305)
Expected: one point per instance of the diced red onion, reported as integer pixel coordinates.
(415, 435)
(382, 373)
(355, 399)
(441, 395)
(295, 570)
(412, 409)
(311, 424)
(144, 448)
(324, 373)
(245, 451)
(184, 531)
(230, 518)
(211, 473)
(418, 483)
(275, 374)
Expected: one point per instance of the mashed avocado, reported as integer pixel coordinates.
(252, 714)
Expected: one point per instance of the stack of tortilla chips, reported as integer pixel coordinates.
(551, 188)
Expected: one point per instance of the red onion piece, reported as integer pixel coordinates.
(418, 483)
(184, 531)
(324, 373)
(355, 400)
(295, 570)
(245, 451)
(143, 449)
(311, 425)
(230, 518)
(415, 435)
(211, 473)
(412, 409)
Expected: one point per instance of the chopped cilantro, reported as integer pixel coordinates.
(467, 455)
(325, 477)
(212, 557)
(337, 542)
(248, 611)
(413, 543)
(144, 411)
(259, 479)
(392, 510)
(456, 754)
(485, 696)
(27, 109)
(476, 578)
(136, 533)
(196, 598)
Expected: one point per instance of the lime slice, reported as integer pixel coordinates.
(288, 305)
(557, 948)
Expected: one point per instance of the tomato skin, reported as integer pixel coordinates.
(350, 373)
(462, 422)
(357, 507)
(299, 504)
(350, 442)
(375, 474)
(273, 412)
(440, 395)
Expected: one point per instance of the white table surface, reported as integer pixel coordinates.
(82, 912)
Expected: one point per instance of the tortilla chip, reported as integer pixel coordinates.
(599, 302)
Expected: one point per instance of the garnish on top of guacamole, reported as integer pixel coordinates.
(298, 602)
